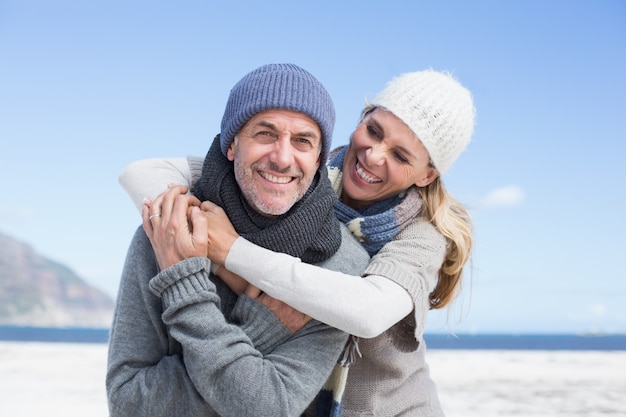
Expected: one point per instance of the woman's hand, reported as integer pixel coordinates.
(221, 233)
(175, 226)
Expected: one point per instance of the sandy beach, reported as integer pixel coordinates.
(60, 379)
(521, 383)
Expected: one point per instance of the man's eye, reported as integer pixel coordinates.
(303, 144)
(265, 136)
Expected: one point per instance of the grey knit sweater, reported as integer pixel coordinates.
(182, 345)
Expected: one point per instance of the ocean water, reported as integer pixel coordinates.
(433, 341)
(53, 334)
(526, 341)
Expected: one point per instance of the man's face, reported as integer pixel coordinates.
(276, 155)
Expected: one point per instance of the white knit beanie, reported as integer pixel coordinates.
(438, 109)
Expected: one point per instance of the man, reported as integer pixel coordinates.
(182, 343)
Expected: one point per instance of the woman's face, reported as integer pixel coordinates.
(384, 158)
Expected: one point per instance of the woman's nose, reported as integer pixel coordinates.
(375, 155)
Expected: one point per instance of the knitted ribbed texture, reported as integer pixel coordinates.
(278, 86)
(438, 109)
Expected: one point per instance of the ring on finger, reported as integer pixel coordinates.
(154, 215)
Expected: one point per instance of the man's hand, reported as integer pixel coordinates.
(237, 284)
(291, 318)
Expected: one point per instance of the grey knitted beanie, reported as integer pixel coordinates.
(438, 109)
(278, 86)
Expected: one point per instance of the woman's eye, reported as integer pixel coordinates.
(401, 158)
(372, 132)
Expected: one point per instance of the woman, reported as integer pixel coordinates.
(391, 196)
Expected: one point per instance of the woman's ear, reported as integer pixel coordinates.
(428, 177)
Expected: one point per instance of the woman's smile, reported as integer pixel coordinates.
(365, 175)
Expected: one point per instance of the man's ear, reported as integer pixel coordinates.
(428, 177)
(230, 153)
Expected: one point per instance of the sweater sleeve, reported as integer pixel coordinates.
(147, 178)
(412, 260)
(364, 307)
(146, 375)
(228, 370)
(217, 369)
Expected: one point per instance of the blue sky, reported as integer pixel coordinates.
(87, 87)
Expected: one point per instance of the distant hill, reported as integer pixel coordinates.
(35, 291)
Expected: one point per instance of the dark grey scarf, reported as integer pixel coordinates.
(309, 230)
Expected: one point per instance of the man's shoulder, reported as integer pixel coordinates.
(351, 258)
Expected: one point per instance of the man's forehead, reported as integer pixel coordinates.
(281, 119)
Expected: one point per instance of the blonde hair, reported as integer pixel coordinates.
(454, 222)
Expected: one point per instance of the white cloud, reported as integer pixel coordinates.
(598, 310)
(509, 196)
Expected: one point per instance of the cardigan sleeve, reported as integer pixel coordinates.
(412, 260)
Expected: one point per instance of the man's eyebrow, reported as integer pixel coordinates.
(309, 134)
(305, 133)
(265, 123)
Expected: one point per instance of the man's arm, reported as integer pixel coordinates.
(224, 360)
(146, 375)
(219, 368)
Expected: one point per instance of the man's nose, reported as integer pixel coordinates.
(282, 154)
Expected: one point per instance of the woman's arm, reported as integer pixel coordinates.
(364, 307)
(147, 178)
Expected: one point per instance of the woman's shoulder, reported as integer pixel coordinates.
(421, 230)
